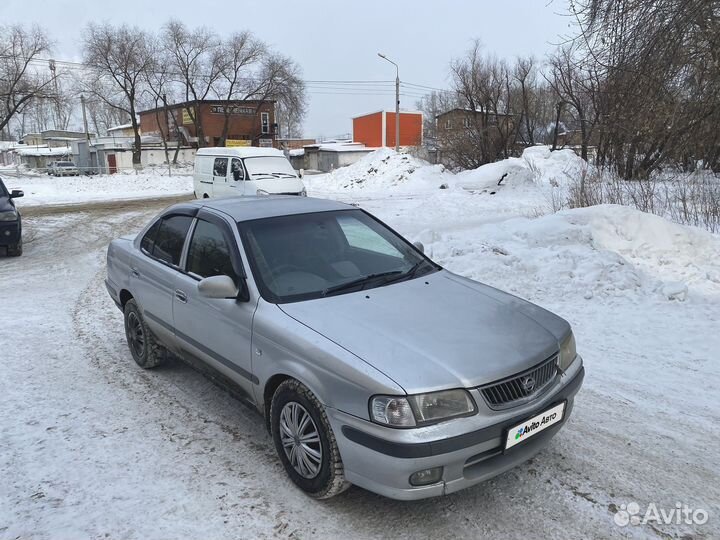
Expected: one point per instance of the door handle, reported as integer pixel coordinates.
(134, 272)
(181, 296)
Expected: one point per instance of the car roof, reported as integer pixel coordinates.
(249, 208)
(241, 152)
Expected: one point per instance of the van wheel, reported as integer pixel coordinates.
(206, 196)
(305, 441)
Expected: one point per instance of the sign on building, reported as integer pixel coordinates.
(233, 109)
(237, 142)
(186, 118)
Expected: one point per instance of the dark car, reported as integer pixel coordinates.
(10, 222)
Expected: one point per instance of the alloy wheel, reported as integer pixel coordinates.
(300, 440)
(135, 334)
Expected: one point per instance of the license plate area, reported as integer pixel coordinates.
(523, 431)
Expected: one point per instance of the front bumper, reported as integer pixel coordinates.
(382, 459)
(10, 233)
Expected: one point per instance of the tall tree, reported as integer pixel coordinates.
(118, 58)
(197, 60)
(20, 84)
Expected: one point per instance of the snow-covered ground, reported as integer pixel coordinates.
(48, 190)
(92, 446)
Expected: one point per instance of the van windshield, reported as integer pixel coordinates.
(269, 166)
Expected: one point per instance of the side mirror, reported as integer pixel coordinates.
(218, 287)
(301, 173)
(236, 176)
(419, 246)
(16, 193)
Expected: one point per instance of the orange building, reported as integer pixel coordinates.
(378, 129)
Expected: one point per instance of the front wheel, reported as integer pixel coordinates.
(305, 441)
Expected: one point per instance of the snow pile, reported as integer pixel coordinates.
(537, 165)
(602, 251)
(383, 169)
(45, 189)
(386, 170)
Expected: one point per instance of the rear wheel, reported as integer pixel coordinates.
(305, 441)
(144, 347)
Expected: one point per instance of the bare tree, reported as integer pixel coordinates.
(20, 84)
(197, 62)
(280, 79)
(576, 84)
(657, 69)
(118, 59)
(240, 53)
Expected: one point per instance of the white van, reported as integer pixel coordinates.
(233, 172)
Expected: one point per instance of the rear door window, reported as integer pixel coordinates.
(168, 239)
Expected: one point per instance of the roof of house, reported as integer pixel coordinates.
(477, 111)
(40, 151)
(118, 128)
(384, 111)
(232, 103)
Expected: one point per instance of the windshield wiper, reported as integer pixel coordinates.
(359, 282)
(410, 273)
(285, 173)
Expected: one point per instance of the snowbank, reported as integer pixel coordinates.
(383, 170)
(386, 170)
(44, 189)
(602, 251)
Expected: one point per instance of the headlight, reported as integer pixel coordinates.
(421, 409)
(10, 215)
(567, 352)
(261, 192)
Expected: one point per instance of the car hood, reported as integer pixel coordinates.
(438, 331)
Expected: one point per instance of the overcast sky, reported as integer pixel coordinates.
(331, 40)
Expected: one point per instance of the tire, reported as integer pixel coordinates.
(320, 477)
(144, 347)
(15, 251)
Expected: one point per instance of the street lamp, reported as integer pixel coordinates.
(397, 101)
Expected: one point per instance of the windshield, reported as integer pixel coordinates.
(269, 166)
(306, 256)
(65, 164)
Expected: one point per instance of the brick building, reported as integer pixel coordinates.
(249, 123)
(378, 129)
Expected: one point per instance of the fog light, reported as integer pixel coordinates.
(7, 233)
(426, 476)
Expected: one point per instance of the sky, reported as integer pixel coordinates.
(332, 40)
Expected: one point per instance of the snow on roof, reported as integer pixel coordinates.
(40, 151)
(9, 145)
(118, 128)
(297, 152)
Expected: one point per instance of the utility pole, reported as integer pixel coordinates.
(58, 120)
(397, 101)
(87, 133)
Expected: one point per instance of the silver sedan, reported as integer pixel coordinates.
(372, 364)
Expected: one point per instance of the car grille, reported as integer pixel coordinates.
(520, 387)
